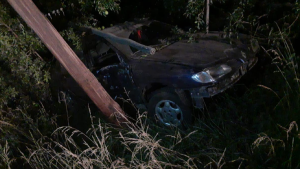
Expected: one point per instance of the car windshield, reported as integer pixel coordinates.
(156, 34)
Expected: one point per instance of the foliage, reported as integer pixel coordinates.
(23, 71)
(24, 80)
(247, 18)
(24, 74)
(101, 6)
(85, 7)
(195, 8)
(174, 6)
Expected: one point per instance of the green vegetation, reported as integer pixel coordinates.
(253, 125)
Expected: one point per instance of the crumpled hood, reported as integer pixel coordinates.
(202, 54)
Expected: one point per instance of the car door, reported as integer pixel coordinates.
(118, 82)
(113, 78)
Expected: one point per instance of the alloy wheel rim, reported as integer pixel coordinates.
(169, 113)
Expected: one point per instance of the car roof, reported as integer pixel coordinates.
(122, 32)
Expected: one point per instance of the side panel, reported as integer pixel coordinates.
(117, 80)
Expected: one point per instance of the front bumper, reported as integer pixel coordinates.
(239, 69)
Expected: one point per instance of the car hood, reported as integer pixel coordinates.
(201, 54)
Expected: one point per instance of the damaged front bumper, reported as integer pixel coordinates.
(240, 68)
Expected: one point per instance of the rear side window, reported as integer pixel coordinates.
(154, 34)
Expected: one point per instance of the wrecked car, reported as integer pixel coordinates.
(148, 62)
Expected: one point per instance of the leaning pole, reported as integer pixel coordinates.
(67, 57)
(207, 15)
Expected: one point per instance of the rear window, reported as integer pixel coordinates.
(155, 34)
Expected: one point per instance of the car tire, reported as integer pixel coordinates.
(166, 107)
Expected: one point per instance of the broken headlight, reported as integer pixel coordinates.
(211, 74)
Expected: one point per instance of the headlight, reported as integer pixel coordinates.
(211, 74)
(203, 77)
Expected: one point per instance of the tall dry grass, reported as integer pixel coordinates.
(103, 146)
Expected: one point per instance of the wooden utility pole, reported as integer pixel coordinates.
(66, 56)
(207, 15)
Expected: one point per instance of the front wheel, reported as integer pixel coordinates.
(167, 108)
